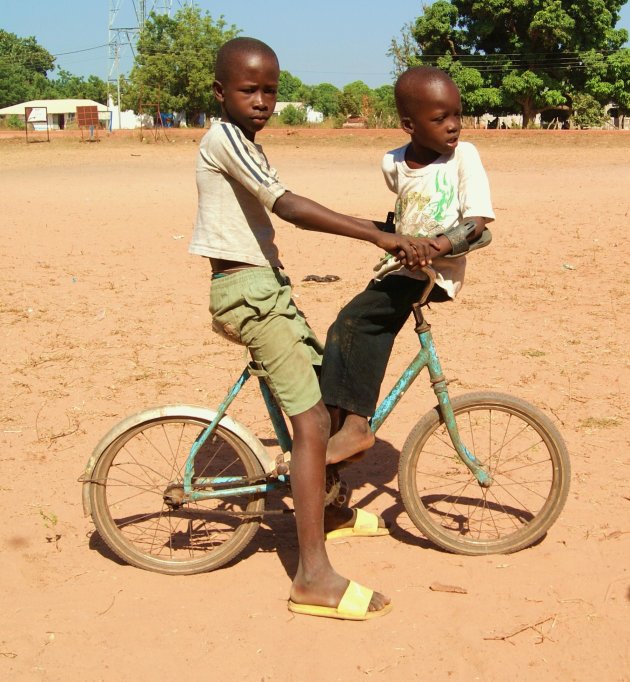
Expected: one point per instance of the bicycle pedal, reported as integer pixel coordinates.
(282, 466)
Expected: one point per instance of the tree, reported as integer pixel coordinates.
(175, 61)
(618, 74)
(477, 97)
(293, 116)
(23, 67)
(289, 88)
(25, 52)
(76, 87)
(385, 114)
(356, 99)
(529, 54)
(608, 79)
(587, 112)
(325, 98)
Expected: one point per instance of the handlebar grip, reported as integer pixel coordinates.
(389, 225)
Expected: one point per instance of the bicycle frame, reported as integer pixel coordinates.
(427, 357)
(195, 491)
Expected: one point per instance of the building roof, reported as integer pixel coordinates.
(281, 106)
(54, 106)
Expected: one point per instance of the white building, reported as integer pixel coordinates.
(312, 116)
(127, 119)
(58, 112)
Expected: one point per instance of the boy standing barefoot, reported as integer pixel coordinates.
(439, 182)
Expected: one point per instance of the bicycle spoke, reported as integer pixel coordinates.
(450, 505)
(147, 510)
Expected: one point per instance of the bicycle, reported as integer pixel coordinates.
(181, 489)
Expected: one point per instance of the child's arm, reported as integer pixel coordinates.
(442, 245)
(309, 215)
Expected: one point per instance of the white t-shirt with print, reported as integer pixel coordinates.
(432, 199)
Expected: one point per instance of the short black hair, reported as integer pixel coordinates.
(232, 51)
(418, 76)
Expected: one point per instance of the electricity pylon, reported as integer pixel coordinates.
(126, 20)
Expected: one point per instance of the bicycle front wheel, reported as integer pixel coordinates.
(138, 502)
(523, 452)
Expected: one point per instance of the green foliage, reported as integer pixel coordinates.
(356, 99)
(293, 116)
(435, 30)
(618, 75)
(289, 88)
(383, 113)
(609, 79)
(324, 97)
(530, 55)
(587, 112)
(477, 97)
(533, 92)
(405, 52)
(23, 67)
(15, 122)
(175, 62)
(25, 52)
(76, 87)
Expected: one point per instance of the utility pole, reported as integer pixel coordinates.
(122, 38)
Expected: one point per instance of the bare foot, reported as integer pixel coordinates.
(327, 590)
(354, 436)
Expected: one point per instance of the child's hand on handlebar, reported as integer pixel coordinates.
(412, 252)
(426, 249)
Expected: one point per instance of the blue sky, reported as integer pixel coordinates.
(334, 41)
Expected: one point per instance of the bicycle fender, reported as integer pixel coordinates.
(267, 462)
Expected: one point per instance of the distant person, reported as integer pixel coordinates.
(251, 302)
(439, 182)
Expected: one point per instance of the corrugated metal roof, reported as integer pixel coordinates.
(54, 106)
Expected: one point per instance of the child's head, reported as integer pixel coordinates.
(246, 83)
(430, 110)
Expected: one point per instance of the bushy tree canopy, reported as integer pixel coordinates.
(324, 97)
(293, 115)
(290, 88)
(75, 87)
(356, 99)
(531, 55)
(23, 68)
(25, 52)
(175, 62)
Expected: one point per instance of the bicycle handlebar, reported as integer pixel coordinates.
(431, 275)
(389, 226)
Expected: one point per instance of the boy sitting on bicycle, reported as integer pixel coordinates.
(439, 182)
(250, 299)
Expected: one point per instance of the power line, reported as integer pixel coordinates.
(486, 63)
(87, 49)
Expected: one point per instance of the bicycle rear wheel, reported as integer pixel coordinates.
(138, 502)
(523, 452)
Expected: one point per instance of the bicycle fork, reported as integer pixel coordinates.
(427, 357)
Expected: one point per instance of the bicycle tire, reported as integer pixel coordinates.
(526, 457)
(142, 468)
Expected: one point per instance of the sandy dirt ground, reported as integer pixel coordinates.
(104, 313)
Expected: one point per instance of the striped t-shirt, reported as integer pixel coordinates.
(236, 187)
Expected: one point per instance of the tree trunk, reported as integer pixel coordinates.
(528, 112)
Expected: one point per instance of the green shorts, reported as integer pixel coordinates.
(254, 307)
